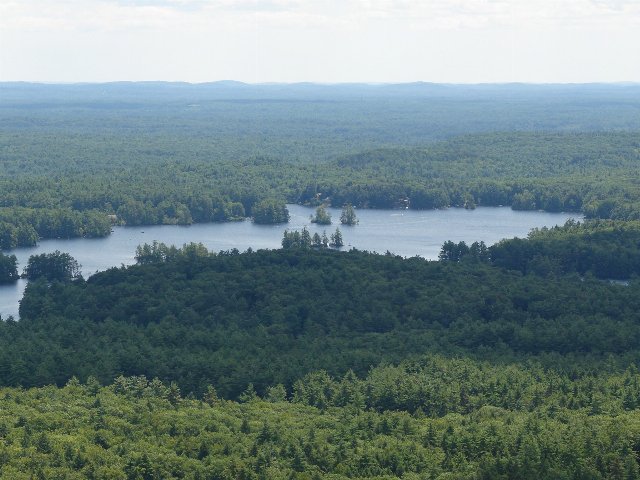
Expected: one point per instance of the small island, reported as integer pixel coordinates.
(270, 212)
(322, 217)
(348, 215)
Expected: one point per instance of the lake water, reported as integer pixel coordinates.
(403, 232)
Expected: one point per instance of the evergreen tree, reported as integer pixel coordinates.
(454, 252)
(276, 394)
(348, 215)
(336, 239)
(323, 217)
(479, 251)
(270, 211)
(469, 202)
(316, 241)
(8, 268)
(305, 238)
(287, 239)
(53, 266)
(325, 239)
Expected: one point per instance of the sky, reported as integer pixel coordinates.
(332, 41)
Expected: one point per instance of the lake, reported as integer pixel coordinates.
(403, 232)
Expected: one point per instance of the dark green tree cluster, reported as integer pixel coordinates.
(270, 212)
(269, 317)
(20, 235)
(336, 240)
(56, 266)
(22, 227)
(325, 352)
(606, 249)
(455, 252)
(198, 209)
(158, 252)
(531, 365)
(8, 268)
(529, 171)
(66, 185)
(305, 240)
(302, 239)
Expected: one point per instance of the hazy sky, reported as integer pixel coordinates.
(325, 41)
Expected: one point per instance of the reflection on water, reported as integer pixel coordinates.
(407, 233)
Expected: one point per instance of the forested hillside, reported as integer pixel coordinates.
(140, 429)
(304, 363)
(510, 361)
(605, 249)
(268, 317)
(180, 154)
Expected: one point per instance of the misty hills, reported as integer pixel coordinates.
(18, 92)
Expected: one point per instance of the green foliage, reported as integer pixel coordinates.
(133, 430)
(304, 240)
(71, 170)
(452, 252)
(22, 227)
(158, 252)
(336, 239)
(508, 362)
(8, 268)
(296, 239)
(56, 266)
(348, 215)
(322, 216)
(606, 249)
(270, 211)
(270, 317)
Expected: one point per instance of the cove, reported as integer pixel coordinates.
(403, 232)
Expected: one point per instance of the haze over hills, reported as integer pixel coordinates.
(357, 115)
(12, 91)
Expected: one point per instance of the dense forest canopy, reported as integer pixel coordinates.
(172, 153)
(142, 429)
(341, 365)
(506, 362)
(269, 317)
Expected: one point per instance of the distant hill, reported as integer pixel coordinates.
(176, 91)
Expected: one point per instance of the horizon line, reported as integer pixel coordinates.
(318, 83)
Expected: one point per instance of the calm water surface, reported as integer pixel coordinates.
(403, 232)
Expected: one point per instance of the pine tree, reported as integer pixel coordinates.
(325, 239)
(316, 241)
(348, 216)
(336, 239)
(305, 238)
(322, 216)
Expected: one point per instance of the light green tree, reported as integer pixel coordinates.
(323, 217)
(348, 215)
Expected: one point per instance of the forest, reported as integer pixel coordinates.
(144, 429)
(511, 361)
(229, 318)
(74, 161)
(316, 363)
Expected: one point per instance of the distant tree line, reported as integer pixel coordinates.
(305, 240)
(589, 173)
